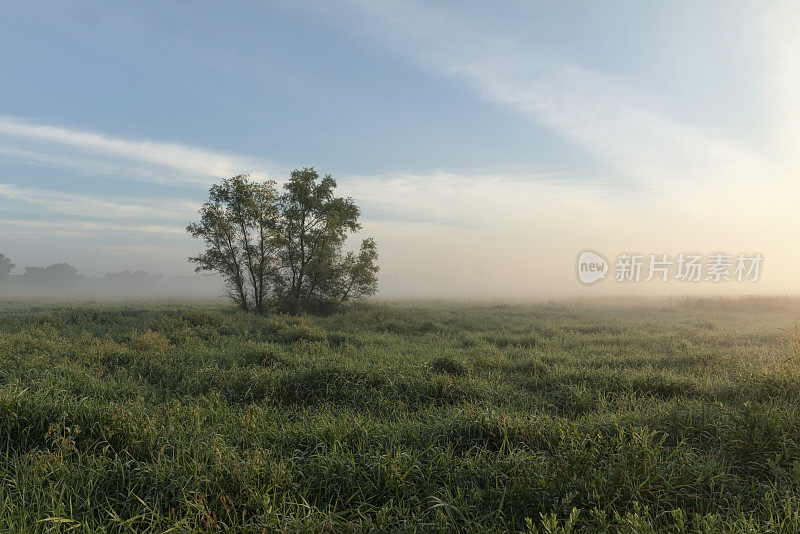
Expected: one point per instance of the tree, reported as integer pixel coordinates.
(5, 267)
(314, 275)
(56, 275)
(238, 227)
(284, 252)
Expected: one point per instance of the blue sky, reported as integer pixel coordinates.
(476, 136)
(247, 77)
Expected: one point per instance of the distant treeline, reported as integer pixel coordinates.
(64, 279)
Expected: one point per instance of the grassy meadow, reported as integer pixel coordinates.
(635, 416)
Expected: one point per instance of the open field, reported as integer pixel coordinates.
(642, 416)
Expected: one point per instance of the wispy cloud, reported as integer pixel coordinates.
(626, 128)
(97, 206)
(82, 229)
(780, 49)
(139, 158)
(612, 121)
(473, 200)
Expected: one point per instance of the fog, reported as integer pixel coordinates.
(63, 280)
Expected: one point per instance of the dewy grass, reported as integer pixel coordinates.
(426, 416)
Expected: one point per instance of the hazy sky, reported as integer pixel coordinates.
(487, 143)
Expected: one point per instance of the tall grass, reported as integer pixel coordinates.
(555, 417)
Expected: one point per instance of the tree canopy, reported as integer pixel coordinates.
(284, 251)
(5, 266)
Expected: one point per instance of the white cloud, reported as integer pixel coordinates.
(780, 51)
(611, 121)
(98, 207)
(72, 228)
(481, 200)
(145, 159)
(626, 128)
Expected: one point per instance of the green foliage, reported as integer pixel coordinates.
(285, 252)
(632, 418)
(237, 225)
(551, 525)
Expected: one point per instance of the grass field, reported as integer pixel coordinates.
(637, 416)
